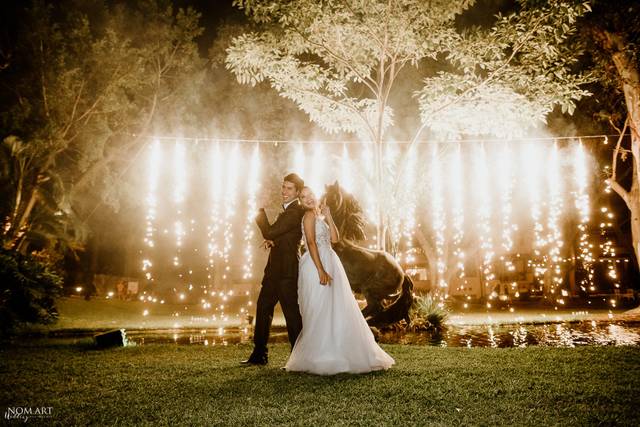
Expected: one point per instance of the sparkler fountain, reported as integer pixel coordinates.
(505, 201)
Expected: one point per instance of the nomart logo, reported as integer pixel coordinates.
(24, 413)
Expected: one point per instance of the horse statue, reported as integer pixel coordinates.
(374, 274)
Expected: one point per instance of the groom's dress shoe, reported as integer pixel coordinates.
(255, 360)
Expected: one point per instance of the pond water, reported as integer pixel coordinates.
(565, 334)
(551, 335)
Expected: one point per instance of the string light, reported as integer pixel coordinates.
(597, 138)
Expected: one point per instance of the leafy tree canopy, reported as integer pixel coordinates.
(339, 62)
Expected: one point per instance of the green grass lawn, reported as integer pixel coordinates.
(197, 385)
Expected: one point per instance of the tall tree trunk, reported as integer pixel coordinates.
(634, 201)
(380, 193)
(19, 228)
(629, 76)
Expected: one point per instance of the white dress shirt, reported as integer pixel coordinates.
(286, 205)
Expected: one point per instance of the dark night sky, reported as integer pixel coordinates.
(214, 12)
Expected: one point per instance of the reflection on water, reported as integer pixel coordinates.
(212, 337)
(496, 336)
(551, 335)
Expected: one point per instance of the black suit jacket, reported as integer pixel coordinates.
(286, 233)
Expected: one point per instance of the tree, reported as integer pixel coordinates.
(241, 111)
(28, 291)
(341, 63)
(616, 54)
(82, 87)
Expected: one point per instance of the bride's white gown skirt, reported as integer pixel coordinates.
(335, 337)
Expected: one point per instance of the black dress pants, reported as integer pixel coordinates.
(284, 291)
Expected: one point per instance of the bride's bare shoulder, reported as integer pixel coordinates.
(308, 219)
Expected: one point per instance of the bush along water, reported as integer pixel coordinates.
(28, 289)
(427, 314)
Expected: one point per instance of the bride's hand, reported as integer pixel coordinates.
(325, 279)
(324, 210)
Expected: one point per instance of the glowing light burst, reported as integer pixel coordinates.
(318, 169)
(346, 178)
(390, 159)
(554, 236)
(533, 162)
(230, 196)
(473, 200)
(151, 202)
(179, 190)
(299, 161)
(483, 200)
(506, 182)
(253, 184)
(437, 217)
(368, 193)
(216, 174)
(581, 201)
(395, 214)
(409, 201)
(457, 208)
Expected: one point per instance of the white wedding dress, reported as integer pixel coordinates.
(335, 336)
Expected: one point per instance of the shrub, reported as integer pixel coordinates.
(28, 288)
(427, 313)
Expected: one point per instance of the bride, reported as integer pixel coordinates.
(335, 336)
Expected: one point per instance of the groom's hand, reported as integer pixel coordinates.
(263, 200)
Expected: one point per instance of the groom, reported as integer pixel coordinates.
(280, 282)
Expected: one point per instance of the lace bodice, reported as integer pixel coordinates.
(323, 234)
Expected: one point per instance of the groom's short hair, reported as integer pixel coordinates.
(295, 180)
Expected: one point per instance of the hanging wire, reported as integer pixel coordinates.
(422, 141)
